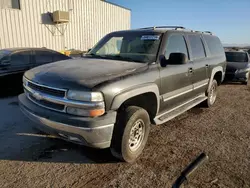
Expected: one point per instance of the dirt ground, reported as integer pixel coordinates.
(29, 158)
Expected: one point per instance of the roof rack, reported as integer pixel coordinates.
(209, 32)
(166, 27)
(175, 28)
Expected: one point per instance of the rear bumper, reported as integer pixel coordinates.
(92, 132)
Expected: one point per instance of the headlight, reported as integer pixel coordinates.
(84, 112)
(25, 82)
(242, 71)
(245, 70)
(85, 96)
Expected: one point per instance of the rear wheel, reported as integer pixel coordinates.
(130, 134)
(211, 95)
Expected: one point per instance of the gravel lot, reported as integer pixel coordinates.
(29, 158)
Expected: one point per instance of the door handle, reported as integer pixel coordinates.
(190, 70)
(207, 65)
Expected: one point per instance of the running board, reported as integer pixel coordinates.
(170, 114)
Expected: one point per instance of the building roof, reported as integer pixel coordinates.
(116, 5)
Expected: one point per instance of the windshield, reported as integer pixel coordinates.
(128, 46)
(236, 57)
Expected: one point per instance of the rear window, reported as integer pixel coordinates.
(21, 58)
(4, 53)
(59, 57)
(214, 45)
(236, 57)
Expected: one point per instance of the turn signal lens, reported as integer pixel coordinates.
(95, 113)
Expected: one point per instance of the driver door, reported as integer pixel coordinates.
(176, 83)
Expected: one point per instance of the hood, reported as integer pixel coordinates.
(237, 65)
(84, 72)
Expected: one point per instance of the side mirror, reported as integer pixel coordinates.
(5, 63)
(177, 59)
(163, 61)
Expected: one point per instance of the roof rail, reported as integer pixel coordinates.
(209, 32)
(166, 27)
(175, 28)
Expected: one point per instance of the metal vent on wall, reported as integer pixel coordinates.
(60, 16)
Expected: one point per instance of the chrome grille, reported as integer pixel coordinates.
(47, 90)
(47, 104)
(54, 98)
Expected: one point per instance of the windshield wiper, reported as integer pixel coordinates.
(118, 57)
(96, 55)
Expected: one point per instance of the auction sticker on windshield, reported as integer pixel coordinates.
(150, 37)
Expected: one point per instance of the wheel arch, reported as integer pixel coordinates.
(149, 90)
(218, 74)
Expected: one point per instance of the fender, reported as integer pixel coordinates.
(122, 97)
(214, 71)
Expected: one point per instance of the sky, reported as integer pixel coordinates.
(228, 19)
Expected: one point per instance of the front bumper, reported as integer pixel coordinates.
(93, 132)
(237, 76)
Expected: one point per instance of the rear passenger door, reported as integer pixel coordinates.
(200, 63)
(43, 57)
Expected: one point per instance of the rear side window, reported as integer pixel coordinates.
(20, 58)
(214, 45)
(176, 43)
(43, 57)
(197, 46)
(59, 57)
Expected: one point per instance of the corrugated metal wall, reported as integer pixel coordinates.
(90, 20)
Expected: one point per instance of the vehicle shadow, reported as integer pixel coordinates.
(21, 142)
(47, 148)
(5, 93)
(231, 83)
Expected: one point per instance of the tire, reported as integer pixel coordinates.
(212, 95)
(123, 146)
(248, 78)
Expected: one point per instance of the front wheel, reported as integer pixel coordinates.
(130, 134)
(211, 95)
(248, 78)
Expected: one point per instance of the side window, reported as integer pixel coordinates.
(43, 57)
(214, 45)
(197, 46)
(59, 57)
(20, 58)
(176, 43)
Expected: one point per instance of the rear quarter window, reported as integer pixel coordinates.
(59, 57)
(214, 45)
(43, 57)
